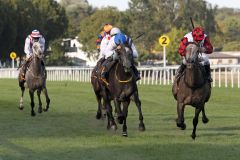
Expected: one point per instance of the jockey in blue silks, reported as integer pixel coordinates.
(110, 55)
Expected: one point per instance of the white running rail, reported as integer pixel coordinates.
(223, 75)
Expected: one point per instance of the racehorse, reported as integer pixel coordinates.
(192, 88)
(35, 80)
(121, 88)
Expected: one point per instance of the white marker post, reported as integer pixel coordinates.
(164, 41)
(13, 55)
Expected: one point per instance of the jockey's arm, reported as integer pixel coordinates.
(208, 46)
(183, 45)
(110, 48)
(135, 52)
(27, 48)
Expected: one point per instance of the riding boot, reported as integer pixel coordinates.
(136, 73)
(23, 70)
(180, 70)
(107, 65)
(208, 72)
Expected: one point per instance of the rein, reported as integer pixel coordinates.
(122, 81)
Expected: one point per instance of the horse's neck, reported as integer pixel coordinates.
(194, 77)
(36, 66)
(120, 73)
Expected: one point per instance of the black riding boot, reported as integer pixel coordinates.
(136, 73)
(107, 65)
(180, 70)
(208, 73)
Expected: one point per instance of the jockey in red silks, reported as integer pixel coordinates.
(197, 35)
(35, 36)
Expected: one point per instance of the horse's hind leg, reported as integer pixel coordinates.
(31, 93)
(180, 119)
(195, 121)
(47, 99)
(138, 104)
(204, 117)
(125, 113)
(39, 100)
(21, 99)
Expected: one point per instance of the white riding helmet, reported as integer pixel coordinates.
(115, 31)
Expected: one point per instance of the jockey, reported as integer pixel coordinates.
(104, 42)
(106, 32)
(117, 38)
(197, 35)
(35, 36)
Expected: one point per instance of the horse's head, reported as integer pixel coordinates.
(37, 50)
(193, 75)
(125, 56)
(192, 51)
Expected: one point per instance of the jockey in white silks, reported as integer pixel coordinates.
(35, 36)
(109, 53)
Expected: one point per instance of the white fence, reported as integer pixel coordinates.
(223, 75)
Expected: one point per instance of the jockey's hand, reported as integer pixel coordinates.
(202, 50)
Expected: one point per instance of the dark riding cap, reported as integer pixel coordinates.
(120, 39)
(198, 34)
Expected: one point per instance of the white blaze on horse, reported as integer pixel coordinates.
(35, 79)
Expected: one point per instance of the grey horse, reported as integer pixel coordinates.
(35, 79)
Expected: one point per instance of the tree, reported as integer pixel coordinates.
(76, 11)
(93, 25)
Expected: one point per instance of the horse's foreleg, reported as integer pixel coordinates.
(204, 117)
(99, 111)
(31, 93)
(138, 104)
(125, 113)
(120, 116)
(47, 99)
(39, 100)
(195, 121)
(180, 119)
(21, 99)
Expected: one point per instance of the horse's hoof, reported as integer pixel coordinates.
(98, 115)
(205, 120)
(120, 119)
(193, 136)
(182, 126)
(33, 114)
(45, 109)
(114, 127)
(21, 107)
(124, 134)
(39, 110)
(141, 127)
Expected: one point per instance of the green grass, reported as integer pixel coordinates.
(69, 131)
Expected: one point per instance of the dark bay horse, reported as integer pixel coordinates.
(192, 88)
(121, 88)
(35, 80)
